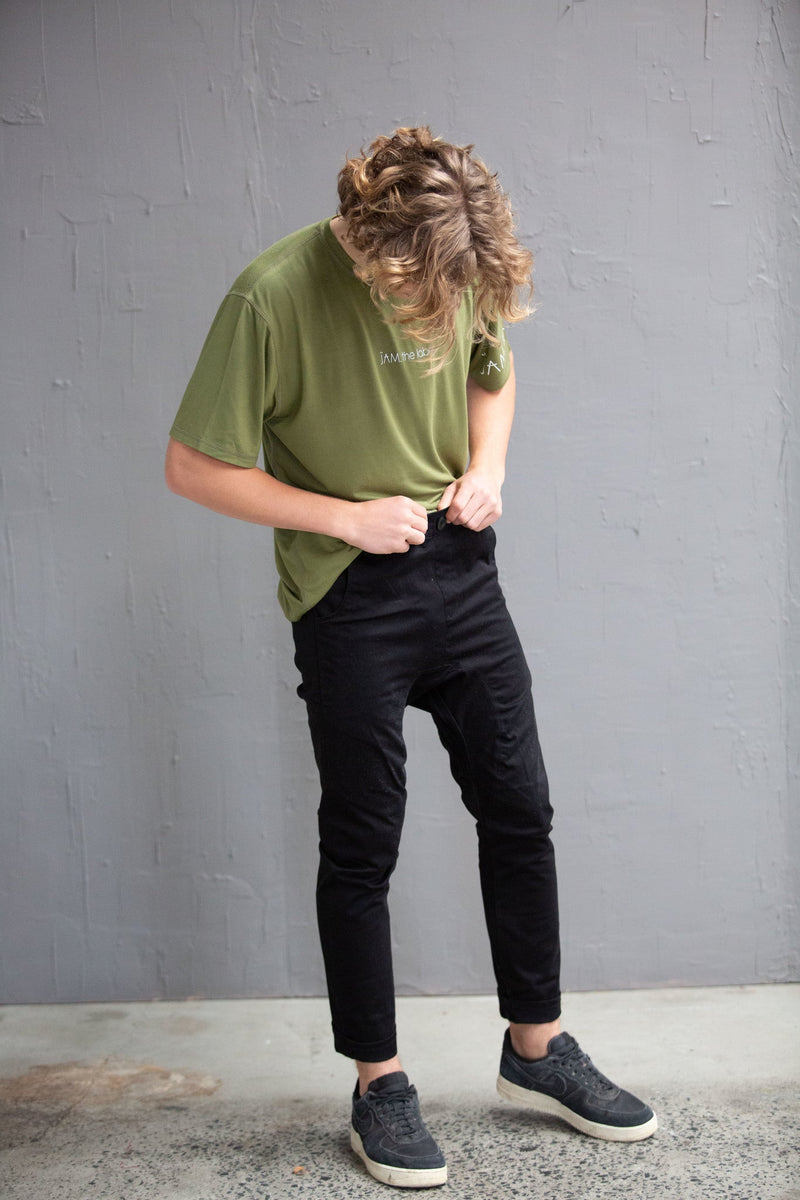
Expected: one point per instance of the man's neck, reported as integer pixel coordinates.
(339, 231)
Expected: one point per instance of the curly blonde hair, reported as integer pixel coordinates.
(431, 220)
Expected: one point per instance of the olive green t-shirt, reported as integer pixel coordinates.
(299, 361)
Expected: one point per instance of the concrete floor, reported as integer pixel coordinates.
(216, 1100)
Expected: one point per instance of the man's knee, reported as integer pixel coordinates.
(363, 874)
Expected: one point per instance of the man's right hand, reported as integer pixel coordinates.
(387, 526)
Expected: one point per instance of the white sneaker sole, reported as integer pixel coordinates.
(546, 1104)
(398, 1176)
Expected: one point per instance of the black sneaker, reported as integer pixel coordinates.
(389, 1134)
(567, 1084)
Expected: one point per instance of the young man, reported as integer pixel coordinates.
(367, 355)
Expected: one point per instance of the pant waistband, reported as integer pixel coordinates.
(438, 520)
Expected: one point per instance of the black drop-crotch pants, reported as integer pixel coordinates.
(428, 628)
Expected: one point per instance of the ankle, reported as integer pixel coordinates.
(369, 1071)
(531, 1040)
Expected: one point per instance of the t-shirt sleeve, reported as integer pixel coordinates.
(232, 389)
(490, 363)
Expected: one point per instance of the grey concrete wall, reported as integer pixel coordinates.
(157, 785)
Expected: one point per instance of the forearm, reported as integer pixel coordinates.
(474, 499)
(491, 415)
(250, 494)
(384, 526)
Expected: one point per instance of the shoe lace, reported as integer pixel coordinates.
(401, 1110)
(581, 1067)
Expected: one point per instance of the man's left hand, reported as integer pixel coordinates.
(473, 500)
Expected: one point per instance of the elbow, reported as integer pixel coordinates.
(174, 468)
(169, 477)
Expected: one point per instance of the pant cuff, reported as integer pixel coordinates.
(366, 1051)
(531, 1012)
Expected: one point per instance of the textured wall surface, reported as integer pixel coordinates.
(158, 788)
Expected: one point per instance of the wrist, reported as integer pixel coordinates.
(343, 520)
(490, 470)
